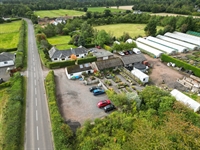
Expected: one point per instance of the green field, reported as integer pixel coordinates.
(9, 34)
(58, 13)
(101, 9)
(61, 42)
(117, 30)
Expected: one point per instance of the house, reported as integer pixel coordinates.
(130, 60)
(129, 41)
(59, 20)
(62, 55)
(102, 54)
(108, 63)
(77, 70)
(7, 59)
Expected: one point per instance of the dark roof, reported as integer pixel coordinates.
(77, 68)
(109, 63)
(5, 56)
(139, 66)
(55, 53)
(134, 58)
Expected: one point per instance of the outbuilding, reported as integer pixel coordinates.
(185, 100)
(140, 75)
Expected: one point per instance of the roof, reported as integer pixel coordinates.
(139, 66)
(102, 53)
(5, 56)
(55, 53)
(109, 63)
(78, 68)
(134, 58)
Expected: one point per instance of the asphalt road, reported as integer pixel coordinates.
(38, 128)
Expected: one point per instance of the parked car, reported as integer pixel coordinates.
(94, 88)
(98, 92)
(130, 52)
(1, 80)
(126, 53)
(121, 53)
(103, 103)
(109, 108)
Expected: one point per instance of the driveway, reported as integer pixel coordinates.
(75, 101)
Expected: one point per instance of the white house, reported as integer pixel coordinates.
(140, 75)
(7, 59)
(76, 70)
(129, 41)
(62, 55)
(185, 100)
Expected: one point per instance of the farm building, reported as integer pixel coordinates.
(172, 40)
(7, 59)
(189, 36)
(130, 60)
(186, 100)
(178, 48)
(140, 75)
(77, 70)
(165, 49)
(149, 49)
(183, 38)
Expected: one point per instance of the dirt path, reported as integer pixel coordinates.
(162, 72)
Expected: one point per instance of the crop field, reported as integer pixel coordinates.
(101, 9)
(58, 13)
(117, 30)
(61, 42)
(9, 34)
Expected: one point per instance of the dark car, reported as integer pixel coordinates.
(1, 80)
(130, 52)
(109, 108)
(94, 88)
(98, 92)
(126, 53)
(103, 103)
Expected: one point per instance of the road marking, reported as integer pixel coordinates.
(34, 68)
(35, 82)
(35, 91)
(34, 75)
(37, 134)
(38, 148)
(36, 116)
(36, 101)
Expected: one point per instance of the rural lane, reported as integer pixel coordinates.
(38, 127)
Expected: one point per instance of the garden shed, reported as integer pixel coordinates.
(186, 100)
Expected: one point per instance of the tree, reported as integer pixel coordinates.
(150, 28)
(102, 38)
(85, 9)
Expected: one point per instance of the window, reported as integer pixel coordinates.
(81, 66)
(55, 58)
(77, 55)
(5, 62)
(69, 57)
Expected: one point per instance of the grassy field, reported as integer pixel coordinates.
(117, 30)
(58, 13)
(61, 42)
(9, 34)
(3, 99)
(101, 9)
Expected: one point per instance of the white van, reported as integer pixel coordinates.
(136, 51)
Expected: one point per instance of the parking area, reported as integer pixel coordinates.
(75, 101)
(3, 74)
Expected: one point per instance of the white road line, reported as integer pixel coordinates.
(36, 101)
(35, 81)
(35, 92)
(38, 148)
(37, 134)
(34, 69)
(36, 115)
(34, 75)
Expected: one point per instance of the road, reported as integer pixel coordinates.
(38, 128)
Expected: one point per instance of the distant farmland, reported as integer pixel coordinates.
(117, 30)
(58, 13)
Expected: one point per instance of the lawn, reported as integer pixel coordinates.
(101, 9)
(3, 98)
(61, 42)
(117, 30)
(10, 27)
(9, 40)
(58, 13)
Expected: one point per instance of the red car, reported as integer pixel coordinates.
(103, 103)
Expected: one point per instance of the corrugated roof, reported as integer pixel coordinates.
(134, 58)
(78, 68)
(109, 63)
